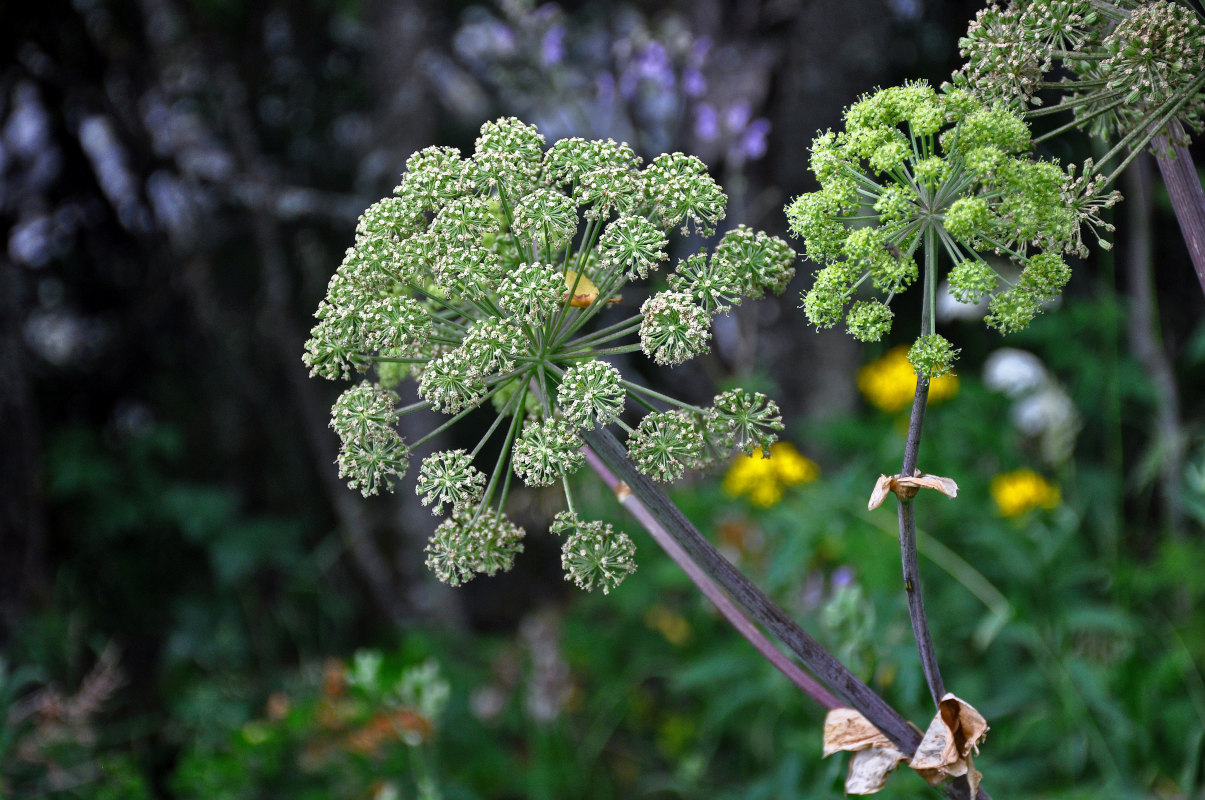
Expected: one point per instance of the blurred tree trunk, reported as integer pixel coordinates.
(22, 521)
(835, 52)
(1168, 442)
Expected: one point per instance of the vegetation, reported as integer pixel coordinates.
(195, 605)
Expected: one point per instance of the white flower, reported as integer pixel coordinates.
(1013, 372)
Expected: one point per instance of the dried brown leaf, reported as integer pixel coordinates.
(846, 729)
(874, 756)
(585, 292)
(906, 488)
(882, 486)
(869, 768)
(947, 746)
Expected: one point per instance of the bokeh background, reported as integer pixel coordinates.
(193, 606)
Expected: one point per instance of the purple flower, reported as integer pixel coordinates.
(753, 141)
(653, 64)
(736, 116)
(699, 50)
(693, 82)
(707, 122)
(552, 46)
(842, 576)
(484, 41)
(604, 88)
(906, 9)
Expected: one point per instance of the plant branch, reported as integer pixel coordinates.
(1146, 341)
(1180, 176)
(758, 606)
(908, 558)
(810, 686)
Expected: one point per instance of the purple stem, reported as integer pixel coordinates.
(727, 608)
(908, 557)
(1184, 187)
(697, 549)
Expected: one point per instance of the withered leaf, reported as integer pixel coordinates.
(584, 290)
(868, 769)
(846, 729)
(905, 488)
(874, 756)
(953, 735)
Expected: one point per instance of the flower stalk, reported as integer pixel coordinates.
(908, 555)
(666, 523)
(1188, 199)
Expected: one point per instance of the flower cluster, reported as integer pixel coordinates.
(1127, 71)
(765, 476)
(1131, 63)
(495, 280)
(915, 170)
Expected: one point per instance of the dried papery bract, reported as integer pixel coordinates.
(906, 488)
(951, 741)
(946, 751)
(874, 756)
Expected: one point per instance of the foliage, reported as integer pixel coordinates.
(1083, 664)
(1076, 623)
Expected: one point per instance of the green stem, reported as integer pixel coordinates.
(635, 387)
(928, 314)
(1148, 130)
(495, 383)
(612, 332)
(504, 203)
(1069, 103)
(393, 359)
(606, 351)
(510, 405)
(1078, 121)
(503, 453)
(421, 404)
(1075, 55)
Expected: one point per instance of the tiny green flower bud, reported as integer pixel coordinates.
(633, 243)
(665, 444)
(747, 420)
(448, 476)
(546, 451)
(590, 393)
(594, 554)
(713, 284)
(967, 218)
(971, 280)
(932, 356)
(674, 330)
(682, 192)
(869, 320)
(450, 383)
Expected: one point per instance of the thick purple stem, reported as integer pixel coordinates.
(1184, 186)
(908, 557)
(810, 686)
(657, 507)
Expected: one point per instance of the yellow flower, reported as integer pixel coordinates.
(765, 479)
(1023, 490)
(672, 625)
(890, 382)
